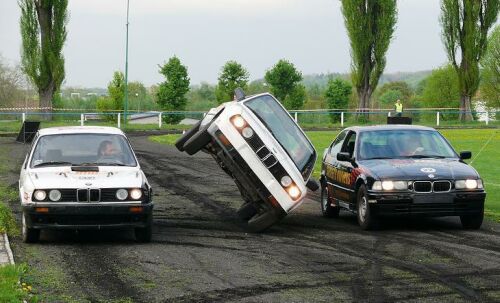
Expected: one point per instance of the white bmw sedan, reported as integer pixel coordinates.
(83, 178)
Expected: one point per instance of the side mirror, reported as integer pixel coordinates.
(344, 157)
(464, 155)
(312, 184)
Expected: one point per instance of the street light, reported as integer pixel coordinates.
(126, 70)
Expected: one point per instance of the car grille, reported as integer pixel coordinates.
(91, 195)
(429, 186)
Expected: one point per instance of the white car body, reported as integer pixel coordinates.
(65, 177)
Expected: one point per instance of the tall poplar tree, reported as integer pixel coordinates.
(43, 31)
(465, 35)
(370, 25)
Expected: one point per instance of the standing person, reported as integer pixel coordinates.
(399, 108)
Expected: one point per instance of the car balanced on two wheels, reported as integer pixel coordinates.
(256, 142)
(399, 170)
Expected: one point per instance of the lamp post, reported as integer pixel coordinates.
(126, 71)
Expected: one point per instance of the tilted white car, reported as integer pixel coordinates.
(83, 177)
(263, 149)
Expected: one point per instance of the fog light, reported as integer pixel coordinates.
(294, 192)
(121, 194)
(40, 195)
(247, 132)
(286, 181)
(136, 193)
(238, 121)
(55, 195)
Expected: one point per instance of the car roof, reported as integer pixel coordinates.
(389, 127)
(80, 130)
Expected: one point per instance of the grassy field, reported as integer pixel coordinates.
(485, 158)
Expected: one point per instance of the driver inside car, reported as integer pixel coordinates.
(106, 150)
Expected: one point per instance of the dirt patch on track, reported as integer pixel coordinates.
(201, 253)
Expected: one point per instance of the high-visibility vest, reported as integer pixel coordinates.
(399, 108)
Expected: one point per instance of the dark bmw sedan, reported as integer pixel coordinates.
(394, 170)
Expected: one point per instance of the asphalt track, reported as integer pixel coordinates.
(201, 253)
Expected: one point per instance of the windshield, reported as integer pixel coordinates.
(403, 144)
(286, 132)
(82, 149)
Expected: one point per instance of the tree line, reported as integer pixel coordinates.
(370, 26)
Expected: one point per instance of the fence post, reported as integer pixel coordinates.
(487, 117)
(437, 118)
(342, 119)
(81, 119)
(159, 120)
(24, 117)
(119, 120)
(295, 116)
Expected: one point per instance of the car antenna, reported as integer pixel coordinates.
(239, 94)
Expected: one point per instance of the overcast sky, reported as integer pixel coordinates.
(205, 34)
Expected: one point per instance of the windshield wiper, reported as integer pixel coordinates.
(426, 156)
(49, 163)
(377, 158)
(100, 164)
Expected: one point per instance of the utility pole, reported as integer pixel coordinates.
(126, 70)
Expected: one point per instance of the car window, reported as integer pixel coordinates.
(78, 149)
(349, 146)
(337, 143)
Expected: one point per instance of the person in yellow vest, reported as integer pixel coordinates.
(399, 108)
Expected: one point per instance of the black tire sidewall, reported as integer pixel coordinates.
(368, 220)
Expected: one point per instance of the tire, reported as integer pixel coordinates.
(247, 211)
(327, 209)
(366, 219)
(30, 235)
(261, 222)
(198, 141)
(472, 221)
(144, 234)
(180, 142)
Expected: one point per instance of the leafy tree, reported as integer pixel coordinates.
(465, 26)
(441, 88)
(172, 92)
(405, 91)
(490, 82)
(283, 79)
(43, 31)
(337, 96)
(389, 97)
(10, 84)
(232, 76)
(116, 90)
(370, 26)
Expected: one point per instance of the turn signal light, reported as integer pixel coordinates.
(135, 209)
(42, 209)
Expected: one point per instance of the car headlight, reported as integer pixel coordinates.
(238, 121)
(286, 181)
(40, 195)
(121, 194)
(247, 132)
(136, 193)
(468, 184)
(387, 185)
(54, 195)
(294, 192)
(390, 185)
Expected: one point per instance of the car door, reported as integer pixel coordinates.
(344, 181)
(330, 163)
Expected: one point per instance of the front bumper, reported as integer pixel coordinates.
(87, 215)
(430, 205)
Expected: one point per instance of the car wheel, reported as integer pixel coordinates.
(260, 222)
(144, 234)
(366, 219)
(30, 235)
(472, 221)
(326, 208)
(186, 136)
(247, 211)
(198, 141)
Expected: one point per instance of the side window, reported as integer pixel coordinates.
(337, 143)
(29, 151)
(349, 145)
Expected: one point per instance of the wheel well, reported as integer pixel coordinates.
(359, 182)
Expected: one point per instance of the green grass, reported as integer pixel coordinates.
(486, 162)
(10, 289)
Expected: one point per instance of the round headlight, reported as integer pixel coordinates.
(121, 194)
(247, 132)
(401, 185)
(54, 195)
(40, 195)
(471, 184)
(136, 193)
(294, 192)
(387, 185)
(286, 181)
(238, 121)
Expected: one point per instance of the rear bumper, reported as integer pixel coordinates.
(430, 205)
(88, 216)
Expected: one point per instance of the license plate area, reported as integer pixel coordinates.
(432, 198)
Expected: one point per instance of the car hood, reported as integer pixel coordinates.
(420, 169)
(106, 177)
